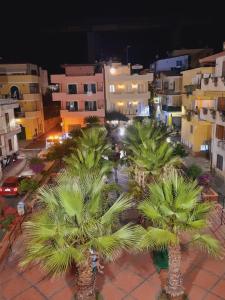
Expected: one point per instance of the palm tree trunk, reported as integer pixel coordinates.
(85, 284)
(175, 283)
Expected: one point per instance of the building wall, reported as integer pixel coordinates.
(200, 133)
(30, 102)
(8, 131)
(126, 92)
(51, 123)
(169, 63)
(79, 75)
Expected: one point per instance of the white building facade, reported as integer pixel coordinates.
(126, 92)
(8, 131)
(213, 85)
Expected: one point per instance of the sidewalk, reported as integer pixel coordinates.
(217, 182)
(14, 169)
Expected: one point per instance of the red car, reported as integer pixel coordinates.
(10, 187)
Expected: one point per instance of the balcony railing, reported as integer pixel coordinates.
(20, 114)
(221, 144)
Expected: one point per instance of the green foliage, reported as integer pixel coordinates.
(173, 208)
(194, 171)
(59, 151)
(28, 185)
(35, 160)
(148, 149)
(91, 153)
(92, 121)
(116, 116)
(7, 221)
(75, 133)
(72, 222)
(179, 150)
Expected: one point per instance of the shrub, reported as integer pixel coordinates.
(7, 221)
(179, 150)
(36, 164)
(28, 185)
(194, 171)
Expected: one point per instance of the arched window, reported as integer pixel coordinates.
(14, 91)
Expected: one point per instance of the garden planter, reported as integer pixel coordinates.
(209, 195)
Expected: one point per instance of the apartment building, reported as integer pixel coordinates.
(168, 83)
(8, 131)
(26, 83)
(80, 91)
(213, 111)
(127, 89)
(195, 132)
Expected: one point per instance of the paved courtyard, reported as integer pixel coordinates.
(131, 277)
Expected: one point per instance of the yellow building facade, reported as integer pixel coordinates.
(23, 82)
(196, 133)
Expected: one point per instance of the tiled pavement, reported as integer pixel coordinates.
(131, 277)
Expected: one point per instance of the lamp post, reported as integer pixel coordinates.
(127, 53)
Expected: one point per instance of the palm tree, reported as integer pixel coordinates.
(92, 121)
(173, 208)
(141, 132)
(72, 223)
(148, 151)
(92, 153)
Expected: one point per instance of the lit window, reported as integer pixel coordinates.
(112, 88)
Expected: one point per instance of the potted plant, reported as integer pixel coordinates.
(213, 113)
(205, 110)
(208, 194)
(36, 164)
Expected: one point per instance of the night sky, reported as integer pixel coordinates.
(50, 33)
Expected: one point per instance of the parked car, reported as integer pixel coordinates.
(10, 187)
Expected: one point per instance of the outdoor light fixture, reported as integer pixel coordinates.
(134, 86)
(112, 71)
(122, 131)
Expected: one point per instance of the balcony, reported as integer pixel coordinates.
(221, 144)
(28, 114)
(171, 108)
(208, 114)
(82, 113)
(10, 130)
(61, 96)
(124, 95)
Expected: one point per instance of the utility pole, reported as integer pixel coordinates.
(127, 53)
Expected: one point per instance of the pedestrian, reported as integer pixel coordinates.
(96, 266)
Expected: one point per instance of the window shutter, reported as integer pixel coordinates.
(220, 132)
(221, 104)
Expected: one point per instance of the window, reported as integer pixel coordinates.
(7, 120)
(10, 144)
(219, 162)
(34, 88)
(112, 88)
(166, 85)
(179, 63)
(220, 132)
(72, 106)
(90, 88)
(90, 106)
(191, 128)
(72, 88)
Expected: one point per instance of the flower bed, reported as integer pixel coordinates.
(209, 195)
